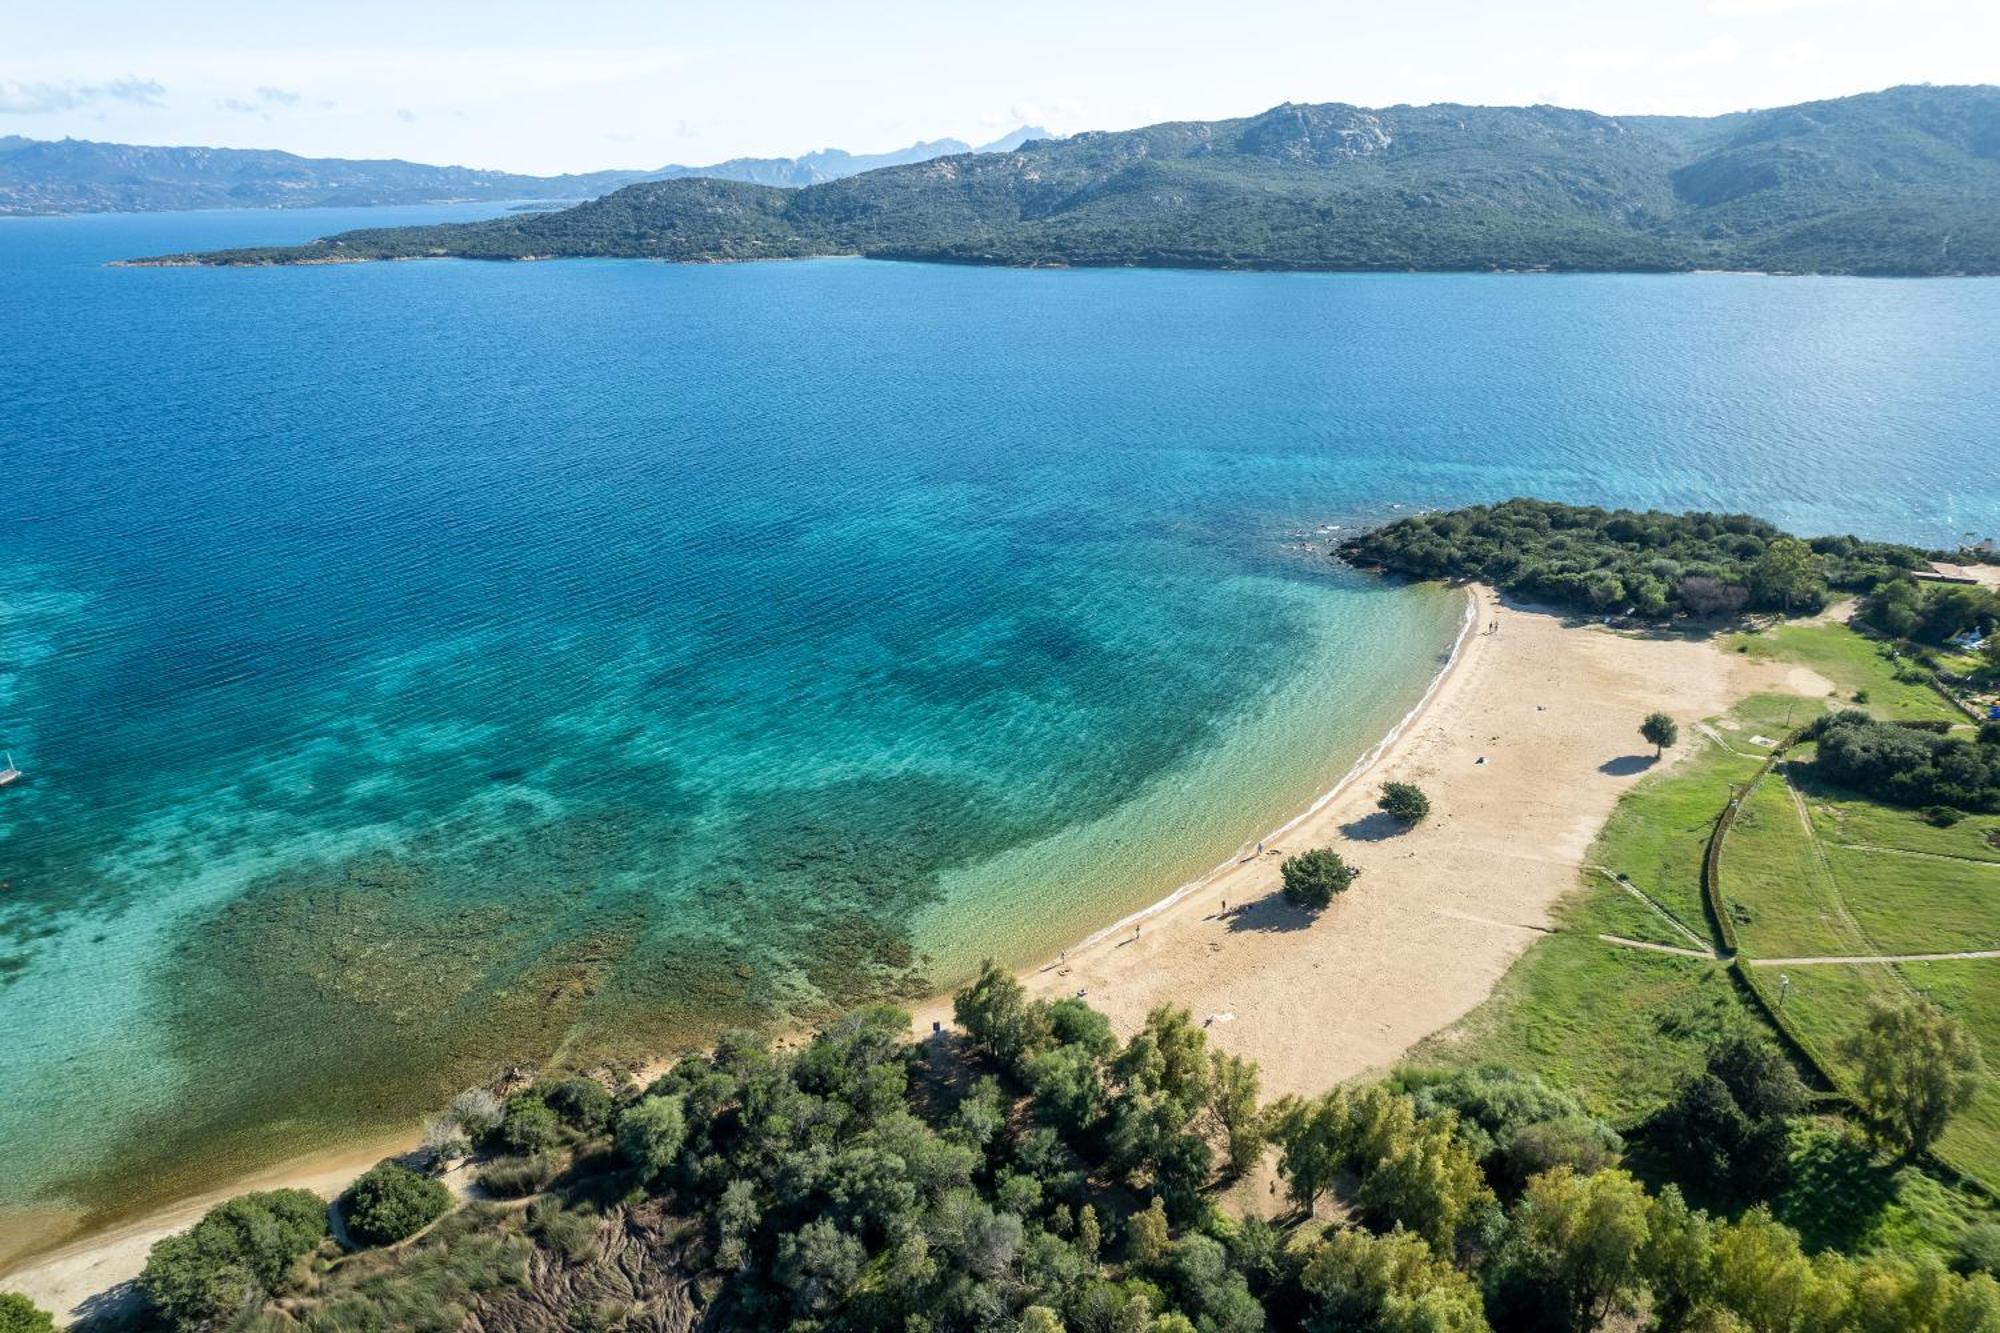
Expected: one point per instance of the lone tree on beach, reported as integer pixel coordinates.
(1918, 1068)
(1661, 730)
(1313, 878)
(1405, 801)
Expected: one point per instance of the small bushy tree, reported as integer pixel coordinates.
(650, 1134)
(1661, 731)
(996, 1013)
(1405, 801)
(1391, 1283)
(1789, 575)
(392, 1202)
(18, 1314)
(239, 1253)
(1916, 1067)
(1579, 1247)
(1311, 879)
(528, 1126)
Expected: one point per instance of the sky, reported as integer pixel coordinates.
(527, 85)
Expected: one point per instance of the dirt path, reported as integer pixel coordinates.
(1825, 866)
(1875, 958)
(1928, 856)
(1623, 942)
(1658, 909)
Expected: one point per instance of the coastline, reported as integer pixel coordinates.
(1524, 743)
(1313, 1001)
(1468, 620)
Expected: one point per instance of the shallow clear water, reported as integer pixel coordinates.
(423, 665)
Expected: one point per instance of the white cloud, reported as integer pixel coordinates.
(20, 97)
(265, 99)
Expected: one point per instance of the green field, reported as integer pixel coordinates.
(1807, 871)
(1827, 1003)
(1782, 893)
(1811, 870)
(1623, 1026)
(1853, 664)
(1852, 821)
(1620, 1027)
(1657, 834)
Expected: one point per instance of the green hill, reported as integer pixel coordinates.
(1905, 181)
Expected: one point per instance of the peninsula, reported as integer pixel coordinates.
(1904, 181)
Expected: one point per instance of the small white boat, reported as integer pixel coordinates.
(9, 773)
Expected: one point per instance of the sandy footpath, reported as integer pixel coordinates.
(1523, 747)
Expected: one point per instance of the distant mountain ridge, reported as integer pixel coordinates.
(40, 176)
(1905, 181)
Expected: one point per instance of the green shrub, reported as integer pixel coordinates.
(1313, 878)
(240, 1252)
(650, 1134)
(517, 1177)
(581, 1103)
(18, 1314)
(1979, 1250)
(392, 1202)
(1405, 801)
(529, 1126)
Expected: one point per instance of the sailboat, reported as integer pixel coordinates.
(9, 773)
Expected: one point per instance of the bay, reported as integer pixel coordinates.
(424, 666)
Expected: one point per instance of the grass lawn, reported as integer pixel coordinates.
(1782, 895)
(1851, 820)
(1844, 1196)
(1621, 1027)
(1920, 904)
(1830, 1002)
(1659, 830)
(1852, 663)
(1970, 992)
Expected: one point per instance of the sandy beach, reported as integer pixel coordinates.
(93, 1272)
(1523, 744)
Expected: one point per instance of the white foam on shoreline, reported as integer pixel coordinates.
(1354, 773)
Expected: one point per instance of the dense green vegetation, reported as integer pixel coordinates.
(1932, 613)
(1619, 561)
(240, 1252)
(1908, 766)
(1901, 181)
(18, 1314)
(1044, 1175)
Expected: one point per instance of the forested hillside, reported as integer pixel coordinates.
(1905, 181)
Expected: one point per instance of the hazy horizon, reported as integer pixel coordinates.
(624, 84)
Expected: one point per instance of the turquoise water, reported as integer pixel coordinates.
(421, 666)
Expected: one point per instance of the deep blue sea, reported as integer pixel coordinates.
(421, 666)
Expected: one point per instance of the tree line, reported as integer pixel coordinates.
(1041, 1174)
(1621, 561)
